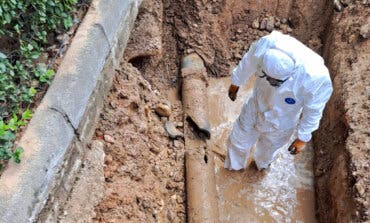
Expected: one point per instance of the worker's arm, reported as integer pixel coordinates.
(315, 98)
(246, 67)
(316, 95)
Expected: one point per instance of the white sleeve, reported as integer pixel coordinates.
(315, 99)
(246, 67)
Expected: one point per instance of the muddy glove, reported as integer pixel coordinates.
(296, 147)
(233, 90)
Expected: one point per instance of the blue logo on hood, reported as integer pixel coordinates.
(290, 101)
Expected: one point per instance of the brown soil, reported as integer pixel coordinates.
(144, 172)
(343, 154)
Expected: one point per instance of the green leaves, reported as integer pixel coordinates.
(2, 67)
(7, 154)
(17, 154)
(67, 22)
(25, 27)
(42, 73)
(26, 115)
(2, 56)
(7, 135)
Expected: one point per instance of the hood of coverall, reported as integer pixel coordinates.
(277, 64)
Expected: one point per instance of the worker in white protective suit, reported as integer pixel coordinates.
(290, 93)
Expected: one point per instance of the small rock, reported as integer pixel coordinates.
(179, 200)
(53, 48)
(277, 24)
(164, 119)
(255, 24)
(148, 113)
(284, 28)
(108, 138)
(352, 38)
(337, 5)
(154, 149)
(364, 31)
(289, 30)
(270, 24)
(163, 110)
(261, 33)
(178, 178)
(237, 56)
(71, 31)
(63, 38)
(176, 143)
(360, 189)
(108, 159)
(284, 20)
(113, 104)
(239, 31)
(171, 216)
(189, 51)
(155, 169)
(179, 124)
(172, 131)
(345, 2)
(263, 24)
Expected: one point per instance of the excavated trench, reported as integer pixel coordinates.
(146, 134)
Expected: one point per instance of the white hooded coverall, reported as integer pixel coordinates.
(272, 114)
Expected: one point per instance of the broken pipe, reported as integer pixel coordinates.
(200, 176)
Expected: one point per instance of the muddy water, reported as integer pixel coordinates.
(283, 193)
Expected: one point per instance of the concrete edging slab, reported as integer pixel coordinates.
(64, 122)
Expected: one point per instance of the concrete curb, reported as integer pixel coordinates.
(64, 122)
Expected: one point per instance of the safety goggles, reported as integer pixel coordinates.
(273, 82)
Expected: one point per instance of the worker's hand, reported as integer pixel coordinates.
(233, 90)
(296, 147)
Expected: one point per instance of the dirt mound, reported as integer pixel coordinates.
(144, 169)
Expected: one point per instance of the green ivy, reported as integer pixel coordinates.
(28, 24)
(7, 136)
